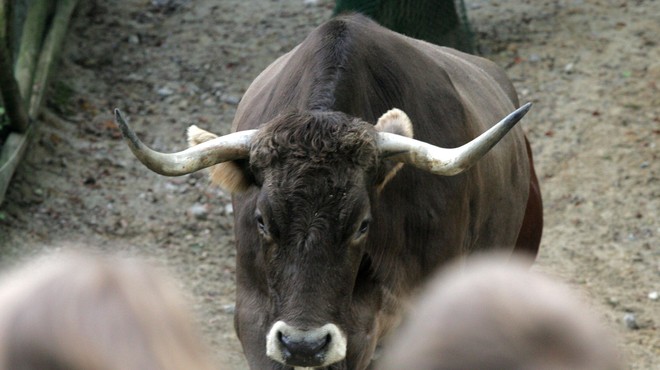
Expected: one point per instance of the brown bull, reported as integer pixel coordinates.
(339, 212)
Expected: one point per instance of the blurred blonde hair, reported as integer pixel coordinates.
(77, 311)
(493, 313)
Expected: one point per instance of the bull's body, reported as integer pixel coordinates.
(419, 220)
(331, 237)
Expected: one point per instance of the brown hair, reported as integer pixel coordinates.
(95, 313)
(495, 314)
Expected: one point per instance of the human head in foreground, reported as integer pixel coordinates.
(82, 312)
(495, 314)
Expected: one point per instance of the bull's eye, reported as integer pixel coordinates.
(261, 225)
(364, 227)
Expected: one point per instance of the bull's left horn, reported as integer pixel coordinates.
(221, 149)
(444, 161)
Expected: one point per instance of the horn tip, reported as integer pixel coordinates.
(520, 112)
(125, 129)
(119, 118)
(526, 106)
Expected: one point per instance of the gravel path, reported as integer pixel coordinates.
(591, 67)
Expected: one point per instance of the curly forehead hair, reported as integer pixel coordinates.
(316, 138)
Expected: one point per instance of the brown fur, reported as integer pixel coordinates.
(314, 180)
(529, 237)
(80, 312)
(495, 314)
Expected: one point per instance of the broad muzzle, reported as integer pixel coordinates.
(315, 347)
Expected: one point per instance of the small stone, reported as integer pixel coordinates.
(631, 321)
(165, 91)
(229, 209)
(569, 68)
(209, 102)
(133, 39)
(135, 77)
(613, 301)
(534, 58)
(654, 295)
(199, 211)
(229, 309)
(231, 99)
(171, 187)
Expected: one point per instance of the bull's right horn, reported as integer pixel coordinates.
(221, 149)
(446, 161)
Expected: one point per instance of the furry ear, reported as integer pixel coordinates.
(197, 136)
(228, 175)
(394, 121)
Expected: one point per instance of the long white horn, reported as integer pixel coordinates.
(221, 149)
(444, 161)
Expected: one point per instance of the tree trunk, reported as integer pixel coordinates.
(441, 22)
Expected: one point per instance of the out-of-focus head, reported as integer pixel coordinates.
(77, 311)
(492, 313)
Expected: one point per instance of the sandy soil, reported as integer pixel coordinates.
(592, 68)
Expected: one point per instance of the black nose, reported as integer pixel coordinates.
(305, 350)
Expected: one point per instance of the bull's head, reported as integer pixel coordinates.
(305, 184)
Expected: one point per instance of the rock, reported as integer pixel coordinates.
(631, 321)
(569, 68)
(229, 309)
(229, 209)
(209, 102)
(199, 211)
(613, 301)
(654, 295)
(231, 99)
(165, 91)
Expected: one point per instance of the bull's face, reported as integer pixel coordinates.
(312, 238)
(304, 189)
(314, 177)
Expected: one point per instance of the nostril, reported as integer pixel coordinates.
(305, 346)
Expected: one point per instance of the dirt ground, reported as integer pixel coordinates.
(591, 67)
